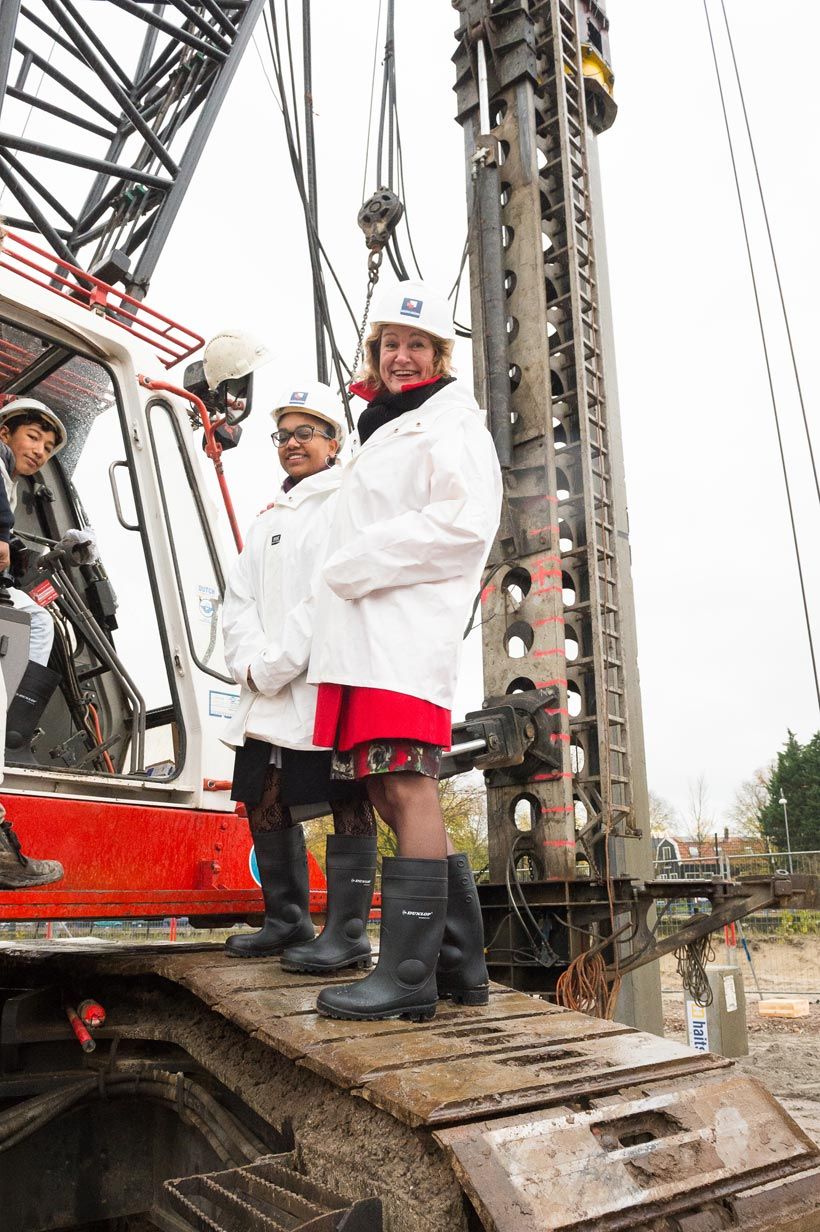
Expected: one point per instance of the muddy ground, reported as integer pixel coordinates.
(784, 1054)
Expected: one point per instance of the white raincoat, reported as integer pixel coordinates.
(268, 614)
(418, 510)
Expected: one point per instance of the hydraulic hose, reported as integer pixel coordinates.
(228, 1139)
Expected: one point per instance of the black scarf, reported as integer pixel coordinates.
(386, 407)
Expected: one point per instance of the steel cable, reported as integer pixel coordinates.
(775, 263)
(764, 342)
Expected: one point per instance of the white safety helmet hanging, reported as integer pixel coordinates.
(416, 304)
(231, 354)
(317, 399)
(30, 406)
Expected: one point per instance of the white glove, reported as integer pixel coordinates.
(80, 545)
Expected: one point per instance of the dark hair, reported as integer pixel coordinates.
(32, 417)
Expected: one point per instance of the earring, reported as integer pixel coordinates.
(330, 460)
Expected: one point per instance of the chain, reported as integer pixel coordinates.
(374, 261)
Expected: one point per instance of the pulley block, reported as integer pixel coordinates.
(379, 217)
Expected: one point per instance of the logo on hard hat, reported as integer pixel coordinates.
(411, 307)
(299, 396)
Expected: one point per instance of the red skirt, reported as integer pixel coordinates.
(348, 715)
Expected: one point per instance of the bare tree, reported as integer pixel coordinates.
(663, 816)
(700, 819)
(751, 798)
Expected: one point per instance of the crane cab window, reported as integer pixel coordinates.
(112, 709)
(196, 564)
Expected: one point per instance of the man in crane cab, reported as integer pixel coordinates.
(30, 434)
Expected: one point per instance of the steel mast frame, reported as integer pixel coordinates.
(563, 583)
(138, 134)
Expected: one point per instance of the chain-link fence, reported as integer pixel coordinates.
(778, 951)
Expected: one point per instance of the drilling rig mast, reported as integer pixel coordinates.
(534, 89)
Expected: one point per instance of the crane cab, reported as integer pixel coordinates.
(125, 781)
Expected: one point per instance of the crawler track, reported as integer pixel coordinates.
(543, 1118)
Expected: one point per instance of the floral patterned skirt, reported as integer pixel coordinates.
(387, 757)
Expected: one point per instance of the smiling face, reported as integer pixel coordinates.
(31, 443)
(302, 458)
(406, 357)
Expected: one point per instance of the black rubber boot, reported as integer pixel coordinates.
(19, 872)
(462, 972)
(27, 706)
(403, 984)
(343, 942)
(282, 862)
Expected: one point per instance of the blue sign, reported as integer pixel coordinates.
(253, 865)
(411, 308)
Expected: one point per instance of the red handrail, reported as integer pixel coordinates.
(212, 446)
(172, 342)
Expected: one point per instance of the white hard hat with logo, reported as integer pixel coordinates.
(415, 304)
(317, 399)
(30, 406)
(231, 354)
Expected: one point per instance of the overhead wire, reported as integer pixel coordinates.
(370, 105)
(389, 156)
(775, 262)
(765, 345)
(294, 150)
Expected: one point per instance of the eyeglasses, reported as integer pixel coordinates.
(304, 433)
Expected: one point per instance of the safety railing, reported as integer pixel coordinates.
(751, 864)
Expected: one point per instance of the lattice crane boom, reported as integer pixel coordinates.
(130, 105)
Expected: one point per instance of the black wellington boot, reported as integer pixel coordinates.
(33, 695)
(343, 942)
(403, 984)
(462, 972)
(282, 861)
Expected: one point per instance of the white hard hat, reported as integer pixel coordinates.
(415, 303)
(30, 406)
(231, 354)
(317, 399)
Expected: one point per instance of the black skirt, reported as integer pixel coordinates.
(305, 776)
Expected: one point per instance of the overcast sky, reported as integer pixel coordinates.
(723, 652)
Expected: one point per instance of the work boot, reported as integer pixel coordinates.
(19, 872)
(33, 695)
(343, 942)
(462, 972)
(403, 984)
(282, 862)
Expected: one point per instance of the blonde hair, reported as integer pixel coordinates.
(369, 371)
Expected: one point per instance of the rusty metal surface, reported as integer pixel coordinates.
(476, 1085)
(616, 1167)
(265, 1196)
(299, 1035)
(493, 1032)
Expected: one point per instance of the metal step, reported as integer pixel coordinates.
(268, 1196)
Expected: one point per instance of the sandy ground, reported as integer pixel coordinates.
(778, 965)
(783, 1053)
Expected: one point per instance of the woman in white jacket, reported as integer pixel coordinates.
(268, 629)
(418, 509)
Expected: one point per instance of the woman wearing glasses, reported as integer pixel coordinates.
(268, 629)
(417, 512)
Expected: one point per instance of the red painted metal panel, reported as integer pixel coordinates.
(126, 860)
